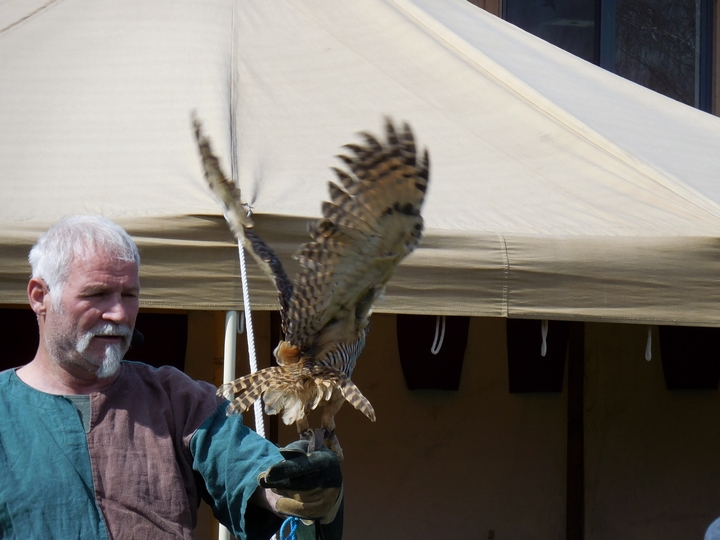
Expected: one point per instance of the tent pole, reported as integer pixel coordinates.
(230, 347)
(229, 354)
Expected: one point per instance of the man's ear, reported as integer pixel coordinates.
(38, 295)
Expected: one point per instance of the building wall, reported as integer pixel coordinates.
(476, 463)
(651, 455)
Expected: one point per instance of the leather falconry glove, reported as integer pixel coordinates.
(310, 487)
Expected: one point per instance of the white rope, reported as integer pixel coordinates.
(543, 331)
(258, 409)
(437, 344)
(648, 345)
(259, 420)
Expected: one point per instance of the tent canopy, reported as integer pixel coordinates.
(558, 190)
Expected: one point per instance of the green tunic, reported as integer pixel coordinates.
(157, 442)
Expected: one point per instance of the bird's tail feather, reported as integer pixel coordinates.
(355, 397)
(248, 388)
(292, 394)
(293, 400)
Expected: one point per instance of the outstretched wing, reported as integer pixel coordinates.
(237, 214)
(370, 224)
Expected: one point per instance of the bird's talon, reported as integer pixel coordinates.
(317, 440)
(331, 441)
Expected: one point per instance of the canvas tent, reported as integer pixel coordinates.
(557, 190)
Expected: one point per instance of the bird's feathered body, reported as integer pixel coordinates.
(370, 224)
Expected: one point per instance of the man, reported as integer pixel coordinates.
(95, 447)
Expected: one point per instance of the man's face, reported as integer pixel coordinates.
(89, 329)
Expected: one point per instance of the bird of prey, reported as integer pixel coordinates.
(371, 223)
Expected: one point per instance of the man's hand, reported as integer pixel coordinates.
(309, 485)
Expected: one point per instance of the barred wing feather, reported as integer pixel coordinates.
(372, 222)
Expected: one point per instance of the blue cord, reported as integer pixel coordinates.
(293, 523)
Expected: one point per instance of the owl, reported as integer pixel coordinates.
(370, 224)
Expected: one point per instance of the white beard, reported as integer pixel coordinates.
(113, 352)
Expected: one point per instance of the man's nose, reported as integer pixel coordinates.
(116, 311)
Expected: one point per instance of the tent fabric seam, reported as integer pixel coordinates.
(506, 276)
(28, 16)
(233, 99)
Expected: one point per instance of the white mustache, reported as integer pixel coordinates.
(104, 329)
(110, 329)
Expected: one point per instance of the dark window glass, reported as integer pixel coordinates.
(665, 45)
(569, 24)
(658, 45)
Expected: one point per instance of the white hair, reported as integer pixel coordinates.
(77, 237)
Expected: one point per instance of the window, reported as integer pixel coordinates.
(569, 24)
(665, 45)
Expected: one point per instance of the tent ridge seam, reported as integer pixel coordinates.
(232, 104)
(28, 16)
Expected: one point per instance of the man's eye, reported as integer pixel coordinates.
(97, 294)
